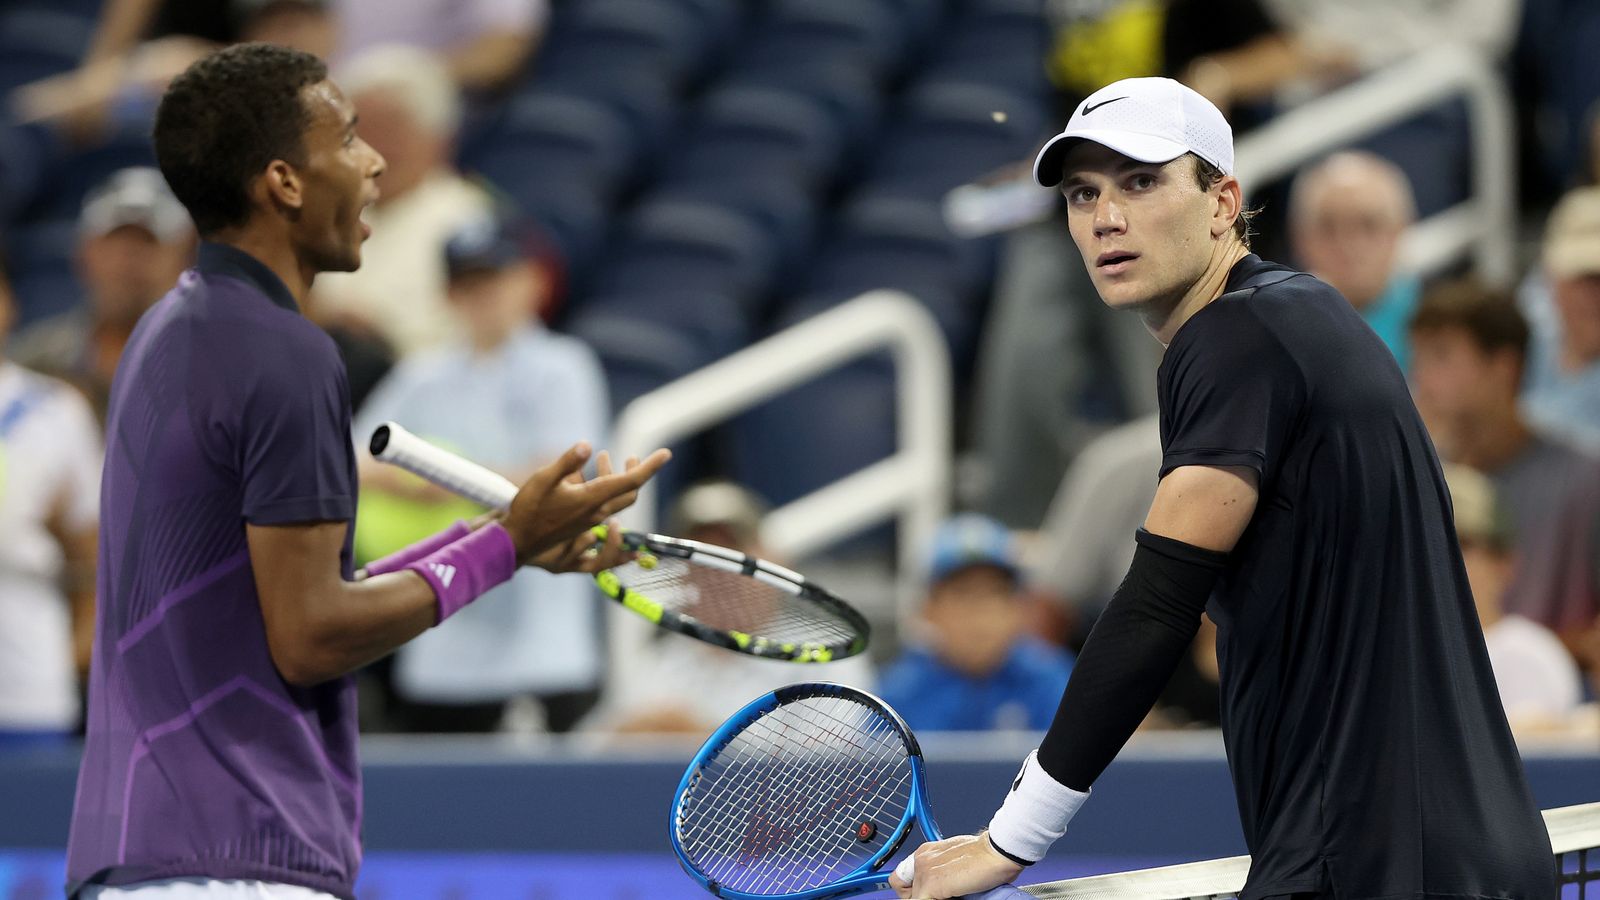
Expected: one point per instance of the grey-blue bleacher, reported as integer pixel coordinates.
(43, 277)
(37, 43)
(555, 137)
(901, 243)
(73, 175)
(665, 247)
(573, 216)
(996, 42)
(648, 104)
(949, 133)
(822, 33)
(786, 210)
(758, 134)
(849, 93)
(25, 154)
(600, 38)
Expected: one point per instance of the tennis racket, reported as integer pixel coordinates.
(804, 793)
(717, 595)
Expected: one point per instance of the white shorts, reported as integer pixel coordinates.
(203, 889)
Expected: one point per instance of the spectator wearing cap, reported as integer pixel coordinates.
(511, 395)
(978, 669)
(684, 686)
(134, 240)
(50, 457)
(1469, 344)
(1562, 388)
(409, 111)
(1540, 685)
(1347, 215)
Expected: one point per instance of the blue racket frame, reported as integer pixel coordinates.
(864, 877)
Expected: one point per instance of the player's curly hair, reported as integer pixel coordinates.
(225, 119)
(1206, 175)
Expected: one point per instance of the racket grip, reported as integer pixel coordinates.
(394, 445)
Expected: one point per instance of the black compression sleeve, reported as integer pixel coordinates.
(1129, 657)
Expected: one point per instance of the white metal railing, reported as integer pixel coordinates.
(1485, 224)
(911, 486)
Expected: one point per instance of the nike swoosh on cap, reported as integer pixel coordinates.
(1090, 109)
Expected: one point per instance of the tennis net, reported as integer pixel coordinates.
(1574, 835)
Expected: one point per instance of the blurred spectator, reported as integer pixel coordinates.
(1347, 215)
(1562, 391)
(978, 670)
(50, 459)
(685, 686)
(409, 110)
(1539, 683)
(134, 240)
(484, 43)
(143, 44)
(512, 396)
(1468, 348)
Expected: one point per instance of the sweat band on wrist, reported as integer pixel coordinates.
(1035, 814)
(461, 572)
(405, 556)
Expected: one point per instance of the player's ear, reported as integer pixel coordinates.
(282, 186)
(1229, 205)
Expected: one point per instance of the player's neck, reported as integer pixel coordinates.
(1164, 320)
(274, 252)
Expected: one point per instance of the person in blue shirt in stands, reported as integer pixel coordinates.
(978, 669)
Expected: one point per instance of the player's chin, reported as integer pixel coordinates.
(1119, 293)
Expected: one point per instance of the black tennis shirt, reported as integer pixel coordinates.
(1369, 750)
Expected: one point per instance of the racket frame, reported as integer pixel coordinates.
(865, 877)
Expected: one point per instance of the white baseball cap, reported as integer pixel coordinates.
(1153, 120)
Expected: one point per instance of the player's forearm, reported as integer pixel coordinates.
(362, 622)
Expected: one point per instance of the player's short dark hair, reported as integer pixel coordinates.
(225, 119)
(1206, 175)
(1487, 314)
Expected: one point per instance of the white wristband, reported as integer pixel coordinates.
(1035, 813)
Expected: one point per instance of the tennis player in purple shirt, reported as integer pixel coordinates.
(220, 759)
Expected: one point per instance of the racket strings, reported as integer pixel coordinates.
(732, 601)
(777, 810)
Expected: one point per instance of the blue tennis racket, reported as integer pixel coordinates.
(804, 793)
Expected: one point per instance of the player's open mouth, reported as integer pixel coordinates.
(1115, 262)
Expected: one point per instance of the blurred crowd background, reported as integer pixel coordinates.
(588, 199)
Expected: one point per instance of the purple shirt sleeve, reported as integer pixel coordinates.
(295, 453)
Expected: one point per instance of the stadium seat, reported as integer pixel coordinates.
(43, 276)
(824, 33)
(996, 42)
(644, 101)
(950, 133)
(604, 37)
(552, 137)
(759, 134)
(25, 152)
(716, 324)
(848, 94)
(785, 210)
(572, 216)
(75, 174)
(665, 247)
(37, 43)
(888, 242)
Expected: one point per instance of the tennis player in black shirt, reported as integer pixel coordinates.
(1302, 506)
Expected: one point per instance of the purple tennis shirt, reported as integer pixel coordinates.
(229, 407)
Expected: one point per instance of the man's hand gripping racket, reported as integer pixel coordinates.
(714, 594)
(805, 793)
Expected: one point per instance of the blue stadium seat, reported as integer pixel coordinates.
(823, 33)
(759, 134)
(604, 37)
(667, 247)
(950, 133)
(572, 216)
(716, 324)
(645, 102)
(849, 94)
(785, 210)
(74, 175)
(996, 42)
(37, 43)
(811, 436)
(552, 137)
(889, 242)
(43, 276)
(25, 153)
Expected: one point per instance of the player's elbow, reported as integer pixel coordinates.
(301, 662)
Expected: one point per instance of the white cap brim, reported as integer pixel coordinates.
(1142, 147)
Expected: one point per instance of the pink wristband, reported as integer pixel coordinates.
(461, 572)
(405, 556)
